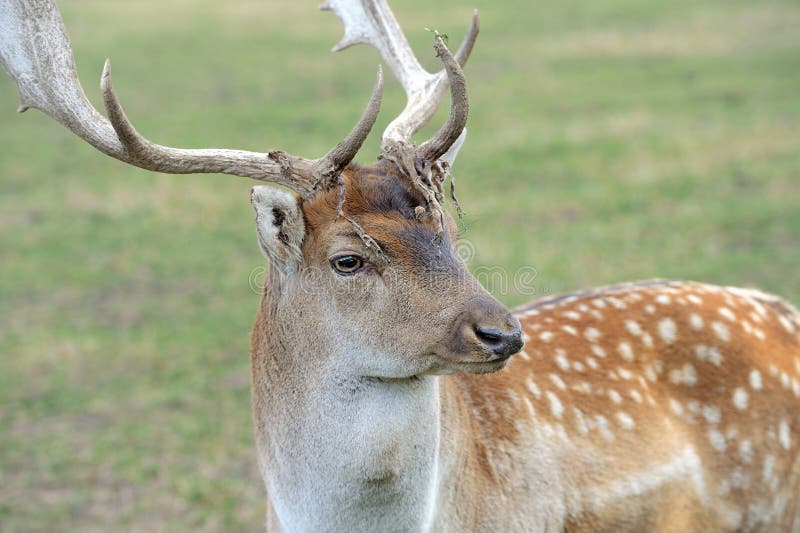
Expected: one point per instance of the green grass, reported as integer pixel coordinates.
(608, 141)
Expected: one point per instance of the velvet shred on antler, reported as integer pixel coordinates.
(428, 178)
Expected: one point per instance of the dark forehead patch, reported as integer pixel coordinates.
(383, 203)
(425, 251)
(381, 190)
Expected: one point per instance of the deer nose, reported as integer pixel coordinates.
(503, 343)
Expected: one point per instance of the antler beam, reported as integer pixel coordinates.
(36, 52)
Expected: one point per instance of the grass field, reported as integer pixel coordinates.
(609, 140)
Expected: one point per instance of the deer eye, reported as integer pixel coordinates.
(347, 264)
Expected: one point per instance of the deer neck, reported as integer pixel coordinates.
(339, 450)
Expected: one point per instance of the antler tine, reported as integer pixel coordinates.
(468, 43)
(322, 171)
(434, 148)
(372, 22)
(36, 52)
(340, 155)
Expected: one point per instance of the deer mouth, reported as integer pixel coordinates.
(483, 367)
(470, 364)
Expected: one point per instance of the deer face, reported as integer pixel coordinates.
(414, 302)
(411, 308)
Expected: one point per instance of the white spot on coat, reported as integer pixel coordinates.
(625, 351)
(558, 382)
(580, 420)
(647, 340)
(598, 350)
(651, 372)
(569, 329)
(696, 321)
(721, 331)
(592, 334)
(746, 451)
(712, 414)
(601, 423)
(717, 440)
(617, 303)
(529, 405)
(633, 327)
(555, 405)
(625, 420)
(624, 373)
(714, 356)
(740, 398)
(755, 379)
(533, 388)
(667, 330)
(615, 396)
(787, 325)
(583, 387)
(706, 354)
(676, 406)
(686, 375)
(561, 359)
(784, 435)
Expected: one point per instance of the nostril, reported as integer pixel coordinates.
(500, 342)
(488, 335)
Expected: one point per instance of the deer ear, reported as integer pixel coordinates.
(280, 226)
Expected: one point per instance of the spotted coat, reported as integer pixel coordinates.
(668, 406)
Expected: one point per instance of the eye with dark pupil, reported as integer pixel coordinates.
(346, 264)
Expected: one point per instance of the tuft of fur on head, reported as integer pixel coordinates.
(373, 197)
(426, 176)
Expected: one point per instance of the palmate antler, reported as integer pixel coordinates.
(36, 52)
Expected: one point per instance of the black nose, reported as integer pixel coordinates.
(502, 343)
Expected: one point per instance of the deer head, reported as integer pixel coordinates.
(371, 261)
(363, 262)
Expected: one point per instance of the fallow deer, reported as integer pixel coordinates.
(652, 406)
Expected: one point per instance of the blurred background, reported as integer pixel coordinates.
(609, 140)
